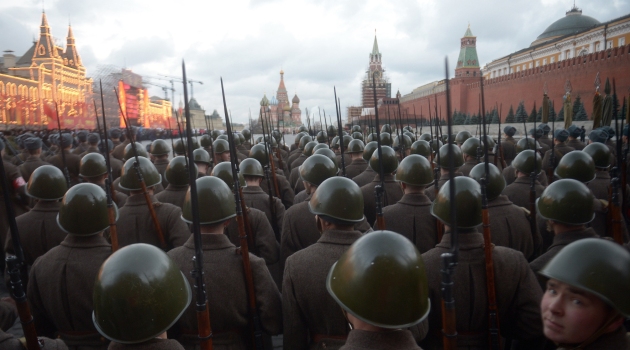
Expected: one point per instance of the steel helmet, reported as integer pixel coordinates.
(444, 159)
(251, 167)
(338, 199)
(370, 147)
(567, 201)
(129, 177)
(246, 134)
(176, 172)
(322, 137)
(415, 170)
(259, 153)
(304, 140)
(205, 141)
(356, 128)
(216, 201)
(220, 146)
(223, 171)
(600, 153)
(462, 136)
(83, 210)
(406, 141)
(328, 153)
(92, 165)
(357, 136)
(467, 201)
(390, 161)
(355, 146)
(526, 143)
(421, 147)
(160, 147)
(524, 162)
(470, 146)
(200, 155)
(386, 139)
(386, 128)
(426, 137)
(308, 148)
(47, 183)
(331, 130)
(130, 154)
(495, 182)
(316, 169)
(576, 165)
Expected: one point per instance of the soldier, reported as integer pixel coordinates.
(311, 317)
(34, 147)
(248, 136)
(381, 266)
(462, 136)
(139, 294)
(560, 149)
(135, 224)
(72, 161)
(443, 166)
(61, 281)
(38, 228)
(223, 277)
(518, 295)
(523, 166)
(286, 192)
(601, 158)
(470, 150)
(422, 148)
(574, 133)
(294, 177)
(298, 152)
(403, 149)
(94, 170)
(368, 174)
(586, 297)
(508, 144)
(508, 222)
(413, 174)
(159, 156)
(346, 156)
(237, 142)
(116, 164)
(221, 150)
(544, 136)
(119, 150)
(114, 135)
(509, 173)
(240, 148)
(82, 146)
(392, 191)
(202, 161)
(92, 144)
(537, 135)
(206, 143)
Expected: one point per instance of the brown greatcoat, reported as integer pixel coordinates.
(175, 195)
(90, 149)
(255, 197)
(136, 226)
(265, 244)
(286, 191)
(15, 180)
(509, 227)
(119, 150)
(38, 230)
(60, 288)
(160, 165)
(73, 163)
(227, 294)
(365, 177)
(518, 191)
(365, 340)
(30, 164)
(544, 140)
(560, 150)
(411, 217)
(294, 177)
(116, 165)
(355, 168)
(293, 156)
(517, 292)
(346, 158)
(577, 144)
(301, 197)
(467, 166)
(297, 162)
(81, 147)
(153, 344)
(509, 149)
(392, 194)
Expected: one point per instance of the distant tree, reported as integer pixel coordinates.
(495, 117)
(552, 112)
(576, 106)
(474, 119)
(581, 114)
(459, 118)
(521, 115)
(532, 114)
(560, 116)
(510, 116)
(616, 107)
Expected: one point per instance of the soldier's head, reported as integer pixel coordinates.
(462, 136)
(33, 145)
(92, 139)
(524, 163)
(495, 182)
(355, 148)
(159, 149)
(414, 173)
(509, 131)
(567, 205)
(577, 165)
(202, 160)
(380, 283)
(129, 177)
(467, 198)
(223, 171)
(115, 134)
(182, 147)
(130, 153)
(442, 158)
(216, 204)
(470, 148)
(574, 132)
(337, 204)
(221, 150)
(83, 210)
(421, 147)
(560, 136)
(82, 136)
(315, 170)
(176, 172)
(102, 149)
(252, 171)
(93, 168)
(597, 135)
(601, 155)
(389, 161)
(587, 292)
(47, 183)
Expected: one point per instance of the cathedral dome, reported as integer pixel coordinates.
(572, 23)
(295, 99)
(264, 101)
(273, 101)
(286, 107)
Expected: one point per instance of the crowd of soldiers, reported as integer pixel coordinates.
(330, 269)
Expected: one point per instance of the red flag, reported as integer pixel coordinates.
(52, 116)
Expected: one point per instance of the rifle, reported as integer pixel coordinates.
(415, 121)
(500, 153)
(532, 189)
(14, 267)
(401, 144)
(378, 189)
(272, 207)
(341, 143)
(326, 123)
(552, 155)
(493, 315)
(271, 161)
(255, 318)
(624, 168)
(63, 155)
(615, 206)
(109, 189)
(136, 166)
(203, 314)
(449, 260)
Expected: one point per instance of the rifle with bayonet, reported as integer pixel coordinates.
(136, 166)
(615, 205)
(552, 155)
(253, 311)
(493, 314)
(203, 314)
(378, 189)
(401, 143)
(272, 206)
(500, 156)
(61, 149)
(341, 142)
(267, 141)
(449, 260)
(532, 190)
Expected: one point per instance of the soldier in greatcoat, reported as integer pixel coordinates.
(160, 151)
(72, 161)
(574, 134)
(178, 182)
(34, 147)
(358, 164)
(442, 162)
(286, 192)
(560, 149)
(255, 197)
(508, 144)
(391, 191)
(470, 149)
(368, 174)
(94, 170)
(92, 144)
(509, 172)
(82, 145)
(295, 171)
(523, 165)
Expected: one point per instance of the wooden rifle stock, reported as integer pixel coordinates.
(248, 224)
(111, 215)
(449, 317)
(380, 219)
(18, 294)
(493, 315)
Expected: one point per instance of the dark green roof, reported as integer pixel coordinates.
(193, 104)
(375, 47)
(572, 23)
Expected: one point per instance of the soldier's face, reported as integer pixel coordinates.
(571, 315)
(225, 156)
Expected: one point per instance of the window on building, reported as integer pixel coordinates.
(544, 63)
(524, 67)
(537, 63)
(609, 44)
(597, 46)
(567, 54)
(553, 59)
(531, 65)
(622, 41)
(518, 69)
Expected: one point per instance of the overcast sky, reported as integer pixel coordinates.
(319, 44)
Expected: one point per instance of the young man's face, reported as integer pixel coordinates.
(571, 315)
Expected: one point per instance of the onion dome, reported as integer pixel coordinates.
(264, 101)
(295, 99)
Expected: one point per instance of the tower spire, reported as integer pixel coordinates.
(45, 47)
(71, 57)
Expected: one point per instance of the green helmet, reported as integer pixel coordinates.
(408, 128)
(524, 162)
(271, 141)
(259, 153)
(130, 154)
(567, 201)
(369, 150)
(308, 148)
(371, 137)
(422, 148)
(462, 136)
(386, 129)
(436, 145)
(490, 141)
(600, 154)
(331, 130)
(215, 198)
(259, 139)
(381, 279)
(47, 183)
(214, 134)
(426, 137)
(246, 134)
(223, 137)
(302, 128)
(205, 141)
(241, 138)
(390, 161)
(356, 128)
(237, 140)
(576, 165)
(317, 168)
(93, 164)
(182, 148)
(495, 182)
(320, 146)
(334, 143)
(346, 141)
(251, 167)
(415, 170)
(406, 141)
(276, 135)
(338, 199)
(299, 136)
(220, 146)
(129, 177)
(355, 146)
(176, 172)
(223, 171)
(357, 136)
(526, 143)
(410, 135)
(304, 140)
(386, 139)
(467, 202)
(160, 147)
(328, 153)
(83, 210)
(200, 155)
(470, 146)
(443, 159)
(139, 293)
(322, 137)
(597, 266)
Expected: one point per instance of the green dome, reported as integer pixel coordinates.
(572, 23)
